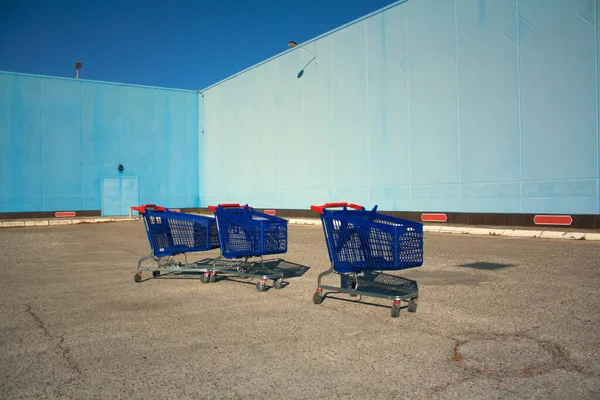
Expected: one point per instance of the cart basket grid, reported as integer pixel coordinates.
(171, 233)
(245, 232)
(360, 240)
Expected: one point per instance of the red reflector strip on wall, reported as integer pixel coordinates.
(62, 214)
(270, 212)
(434, 217)
(553, 220)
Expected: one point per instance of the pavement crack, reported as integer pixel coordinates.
(456, 356)
(444, 386)
(65, 351)
(559, 358)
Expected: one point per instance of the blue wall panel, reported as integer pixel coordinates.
(101, 135)
(428, 105)
(62, 172)
(597, 22)
(61, 137)
(317, 93)
(21, 149)
(489, 109)
(192, 116)
(137, 121)
(389, 155)
(434, 142)
(350, 112)
(558, 103)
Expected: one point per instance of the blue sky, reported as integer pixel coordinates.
(187, 44)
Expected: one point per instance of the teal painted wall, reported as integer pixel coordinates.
(462, 105)
(60, 137)
(428, 105)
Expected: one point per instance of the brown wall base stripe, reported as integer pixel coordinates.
(579, 221)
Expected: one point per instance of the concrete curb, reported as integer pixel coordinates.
(463, 230)
(60, 221)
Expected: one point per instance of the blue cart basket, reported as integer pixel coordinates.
(362, 244)
(171, 233)
(245, 233)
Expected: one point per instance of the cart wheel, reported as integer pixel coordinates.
(213, 278)
(318, 298)
(205, 278)
(261, 286)
(353, 285)
(155, 273)
(278, 284)
(395, 310)
(412, 305)
(137, 278)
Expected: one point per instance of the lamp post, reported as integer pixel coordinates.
(293, 44)
(77, 68)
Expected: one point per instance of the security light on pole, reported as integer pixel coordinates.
(77, 68)
(293, 44)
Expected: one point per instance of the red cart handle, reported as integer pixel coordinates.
(225, 205)
(320, 209)
(142, 208)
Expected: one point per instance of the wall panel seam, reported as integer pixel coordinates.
(457, 106)
(42, 163)
(81, 163)
(408, 73)
(519, 100)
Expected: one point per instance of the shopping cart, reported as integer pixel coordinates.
(172, 233)
(362, 244)
(245, 233)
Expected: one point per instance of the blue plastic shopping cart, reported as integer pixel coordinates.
(362, 244)
(245, 233)
(171, 233)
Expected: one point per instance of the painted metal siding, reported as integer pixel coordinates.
(60, 137)
(465, 105)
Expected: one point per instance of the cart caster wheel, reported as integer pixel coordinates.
(353, 285)
(213, 278)
(412, 305)
(318, 298)
(155, 273)
(261, 286)
(278, 284)
(395, 310)
(205, 278)
(137, 278)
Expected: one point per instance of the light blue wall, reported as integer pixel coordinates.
(430, 105)
(60, 137)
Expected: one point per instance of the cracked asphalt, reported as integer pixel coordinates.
(497, 318)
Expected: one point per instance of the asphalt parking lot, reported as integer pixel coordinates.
(498, 317)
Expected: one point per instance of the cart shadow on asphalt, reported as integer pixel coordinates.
(470, 274)
(288, 269)
(328, 295)
(488, 266)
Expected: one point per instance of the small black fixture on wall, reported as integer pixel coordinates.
(121, 168)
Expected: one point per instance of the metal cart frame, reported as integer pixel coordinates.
(244, 234)
(361, 245)
(171, 233)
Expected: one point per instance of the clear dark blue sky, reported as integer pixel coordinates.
(178, 43)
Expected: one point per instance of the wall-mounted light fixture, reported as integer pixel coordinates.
(78, 66)
(293, 44)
